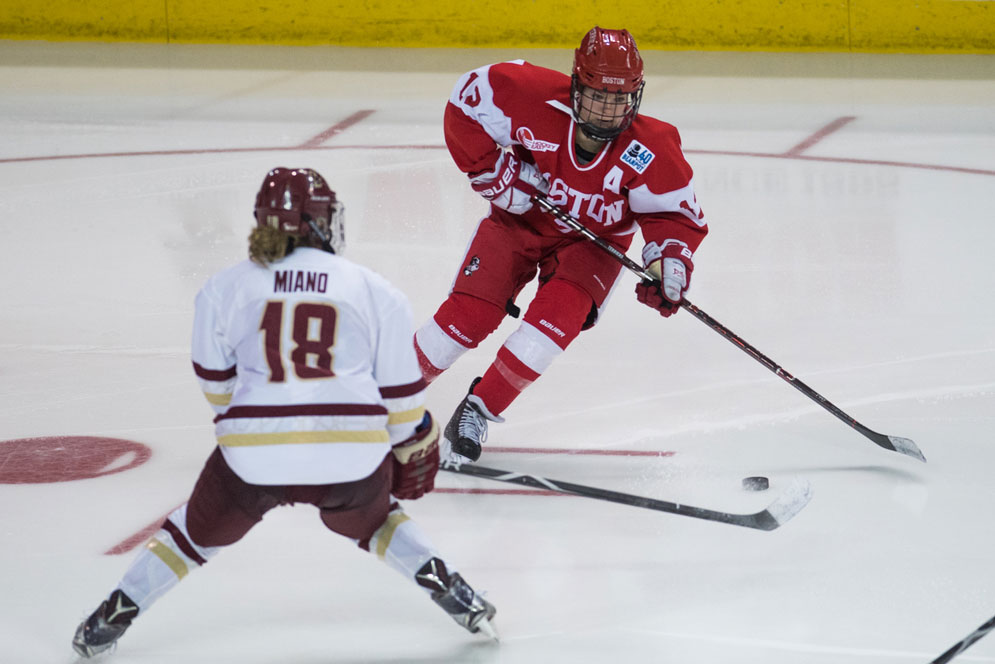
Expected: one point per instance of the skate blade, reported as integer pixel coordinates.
(90, 656)
(487, 628)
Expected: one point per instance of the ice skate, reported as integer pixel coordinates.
(457, 598)
(467, 430)
(100, 632)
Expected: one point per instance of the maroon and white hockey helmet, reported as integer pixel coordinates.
(607, 62)
(299, 202)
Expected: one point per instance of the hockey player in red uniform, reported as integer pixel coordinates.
(516, 129)
(306, 359)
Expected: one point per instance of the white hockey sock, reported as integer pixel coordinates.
(164, 560)
(403, 545)
(438, 347)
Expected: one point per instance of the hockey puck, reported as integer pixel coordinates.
(756, 483)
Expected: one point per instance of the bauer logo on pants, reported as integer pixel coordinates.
(637, 156)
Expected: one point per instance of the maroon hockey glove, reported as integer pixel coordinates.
(671, 265)
(511, 184)
(416, 461)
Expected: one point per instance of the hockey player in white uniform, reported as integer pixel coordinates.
(307, 361)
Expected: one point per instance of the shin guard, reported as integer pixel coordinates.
(166, 559)
(402, 544)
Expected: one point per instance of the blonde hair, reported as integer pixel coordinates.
(268, 245)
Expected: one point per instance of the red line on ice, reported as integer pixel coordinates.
(848, 160)
(286, 148)
(830, 128)
(141, 536)
(502, 492)
(336, 129)
(561, 450)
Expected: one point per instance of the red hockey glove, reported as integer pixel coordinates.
(511, 184)
(671, 265)
(416, 461)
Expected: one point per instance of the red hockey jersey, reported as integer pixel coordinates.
(640, 178)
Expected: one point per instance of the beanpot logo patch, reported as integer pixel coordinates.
(637, 156)
(528, 139)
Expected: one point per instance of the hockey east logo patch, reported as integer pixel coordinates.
(528, 139)
(637, 156)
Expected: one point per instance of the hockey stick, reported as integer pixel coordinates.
(965, 643)
(789, 503)
(893, 443)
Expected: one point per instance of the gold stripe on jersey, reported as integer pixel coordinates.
(218, 399)
(404, 416)
(385, 533)
(168, 556)
(303, 437)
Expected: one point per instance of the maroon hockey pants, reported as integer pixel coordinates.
(223, 508)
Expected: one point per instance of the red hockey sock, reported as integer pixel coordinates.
(428, 370)
(503, 381)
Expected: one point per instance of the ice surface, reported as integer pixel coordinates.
(862, 264)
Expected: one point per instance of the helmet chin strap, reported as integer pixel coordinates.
(325, 243)
(601, 139)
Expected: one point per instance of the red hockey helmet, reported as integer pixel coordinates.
(607, 62)
(291, 198)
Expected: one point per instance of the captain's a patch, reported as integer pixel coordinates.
(637, 156)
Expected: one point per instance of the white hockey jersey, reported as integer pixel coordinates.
(310, 367)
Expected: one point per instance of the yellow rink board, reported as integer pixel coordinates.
(966, 26)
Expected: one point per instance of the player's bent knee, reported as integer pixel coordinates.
(560, 310)
(468, 319)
